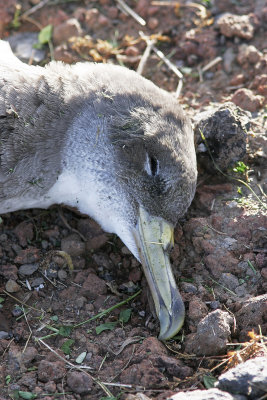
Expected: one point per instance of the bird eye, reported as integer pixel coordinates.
(151, 165)
(154, 165)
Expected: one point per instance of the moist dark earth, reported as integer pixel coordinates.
(60, 273)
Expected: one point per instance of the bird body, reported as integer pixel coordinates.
(96, 137)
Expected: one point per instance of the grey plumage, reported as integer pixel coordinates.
(98, 137)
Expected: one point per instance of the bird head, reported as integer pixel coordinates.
(136, 176)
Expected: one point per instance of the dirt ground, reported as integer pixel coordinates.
(65, 335)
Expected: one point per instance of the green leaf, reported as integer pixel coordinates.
(54, 318)
(66, 347)
(65, 330)
(209, 381)
(2, 299)
(8, 379)
(104, 327)
(27, 395)
(45, 35)
(125, 315)
(81, 357)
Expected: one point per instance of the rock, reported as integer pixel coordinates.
(62, 53)
(153, 23)
(93, 287)
(22, 45)
(29, 355)
(50, 387)
(228, 59)
(211, 394)
(12, 286)
(28, 256)
(252, 314)
(51, 371)
(212, 334)
(73, 245)
(79, 382)
(66, 30)
(225, 135)
(248, 378)
(260, 84)
(229, 280)
(197, 310)
(236, 25)
(248, 54)
(28, 269)
(9, 271)
(144, 374)
(246, 99)
(24, 232)
(137, 396)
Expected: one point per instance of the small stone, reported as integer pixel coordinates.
(236, 25)
(28, 269)
(24, 232)
(50, 387)
(66, 30)
(188, 287)
(248, 54)
(9, 271)
(228, 59)
(248, 378)
(22, 45)
(112, 12)
(103, 20)
(132, 51)
(37, 282)
(225, 131)
(29, 354)
(229, 281)
(214, 305)
(152, 23)
(210, 394)
(12, 286)
(28, 256)
(51, 371)
(212, 334)
(79, 382)
(17, 311)
(73, 245)
(264, 273)
(93, 287)
(247, 100)
(251, 315)
(62, 275)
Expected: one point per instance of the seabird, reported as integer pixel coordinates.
(109, 142)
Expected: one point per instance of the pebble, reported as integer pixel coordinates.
(37, 281)
(22, 46)
(247, 100)
(248, 379)
(228, 60)
(66, 30)
(28, 269)
(152, 23)
(17, 311)
(79, 382)
(212, 334)
(236, 25)
(73, 245)
(51, 371)
(12, 286)
(62, 275)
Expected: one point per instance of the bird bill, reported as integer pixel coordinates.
(154, 239)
